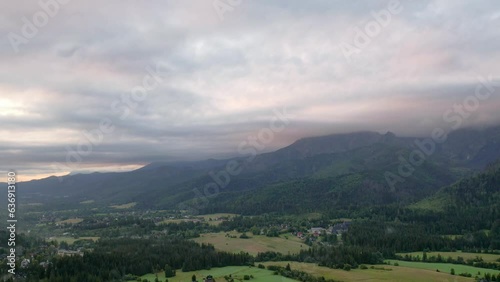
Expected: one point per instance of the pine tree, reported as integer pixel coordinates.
(169, 271)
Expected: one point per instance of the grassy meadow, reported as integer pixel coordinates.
(71, 240)
(255, 244)
(70, 221)
(455, 255)
(382, 273)
(124, 206)
(445, 267)
(211, 219)
(237, 273)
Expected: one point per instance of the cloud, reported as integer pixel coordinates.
(225, 77)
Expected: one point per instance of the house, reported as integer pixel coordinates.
(25, 263)
(316, 231)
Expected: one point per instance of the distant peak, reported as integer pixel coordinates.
(390, 134)
(341, 135)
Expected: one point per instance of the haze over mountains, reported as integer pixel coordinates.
(221, 79)
(310, 174)
(260, 140)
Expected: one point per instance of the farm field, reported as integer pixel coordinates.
(87, 202)
(237, 273)
(391, 273)
(208, 218)
(177, 220)
(454, 255)
(213, 216)
(124, 206)
(70, 221)
(71, 240)
(445, 267)
(34, 204)
(255, 244)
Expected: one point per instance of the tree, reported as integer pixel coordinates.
(255, 230)
(495, 235)
(169, 271)
(193, 278)
(63, 245)
(452, 272)
(288, 267)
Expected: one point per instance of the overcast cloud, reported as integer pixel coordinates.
(222, 77)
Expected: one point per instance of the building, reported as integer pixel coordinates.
(69, 253)
(316, 231)
(25, 263)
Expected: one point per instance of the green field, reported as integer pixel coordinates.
(124, 206)
(70, 221)
(35, 204)
(177, 220)
(445, 267)
(455, 255)
(208, 218)
(214, 216)
(71, 240)
(237, 272)
(435, 203)
(256, 244)
(390, 273)
(87, 202)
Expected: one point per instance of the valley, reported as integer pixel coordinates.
(250, 141)
(324, 212)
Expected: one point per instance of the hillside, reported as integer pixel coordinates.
(470, 204)
(314, 173)
(479, 191)
(348, 179)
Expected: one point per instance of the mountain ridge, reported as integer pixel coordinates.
(364, 156)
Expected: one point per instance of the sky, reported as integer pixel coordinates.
(114, 85)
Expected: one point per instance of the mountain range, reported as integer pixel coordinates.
(312, 174)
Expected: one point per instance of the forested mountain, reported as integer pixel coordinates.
(479, 191)
(341, 170)
(470, 204)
